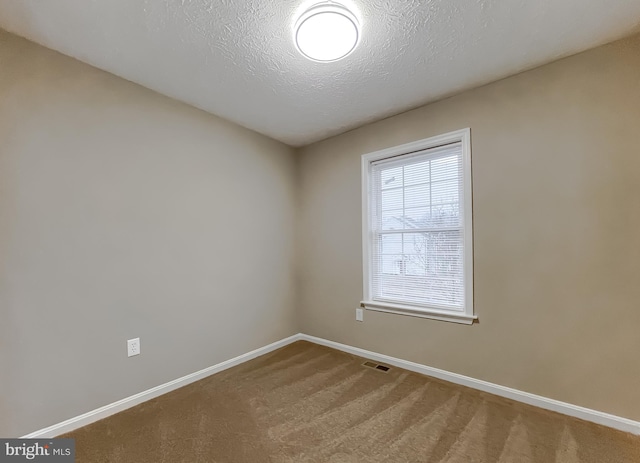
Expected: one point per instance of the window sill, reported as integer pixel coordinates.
(434, 314)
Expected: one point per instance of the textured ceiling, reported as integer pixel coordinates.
(236, 58)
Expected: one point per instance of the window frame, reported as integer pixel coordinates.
(466, 316)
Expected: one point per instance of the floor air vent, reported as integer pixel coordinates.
(376, 366)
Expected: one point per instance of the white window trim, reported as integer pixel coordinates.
(467, 316)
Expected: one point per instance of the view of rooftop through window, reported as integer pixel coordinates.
(418, 226)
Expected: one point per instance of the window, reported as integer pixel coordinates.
(417, 229)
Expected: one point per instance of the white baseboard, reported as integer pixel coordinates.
(583, 413)
(115, 407)
(587, 414)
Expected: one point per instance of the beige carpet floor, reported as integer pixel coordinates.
(308, 403)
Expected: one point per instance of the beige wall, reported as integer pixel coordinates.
(122, 214)
(556, 189)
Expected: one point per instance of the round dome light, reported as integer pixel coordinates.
(326, 32)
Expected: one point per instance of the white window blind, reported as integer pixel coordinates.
(418, 247)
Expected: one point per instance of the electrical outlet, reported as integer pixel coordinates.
(359, 315)
(133, 347)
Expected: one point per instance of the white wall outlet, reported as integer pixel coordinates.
(359, 315)
(133, 347)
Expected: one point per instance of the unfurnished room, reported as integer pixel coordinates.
(319, 231)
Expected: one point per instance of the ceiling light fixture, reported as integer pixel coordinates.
(326, 31)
